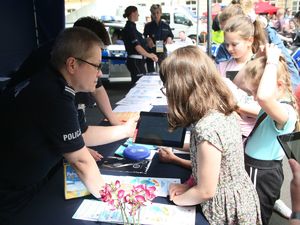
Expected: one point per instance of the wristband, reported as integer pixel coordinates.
(190, 182)
(295, 215)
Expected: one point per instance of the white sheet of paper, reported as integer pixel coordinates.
(155, 213)
(133, 108)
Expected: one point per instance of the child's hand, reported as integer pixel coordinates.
(273, 53)
(177, 189)
(166, 155)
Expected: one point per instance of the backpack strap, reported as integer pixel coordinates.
(258, 121)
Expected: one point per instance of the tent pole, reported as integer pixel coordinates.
(197, 31)
(35, 24)
(209, 24)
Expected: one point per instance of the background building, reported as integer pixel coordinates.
(73, 5)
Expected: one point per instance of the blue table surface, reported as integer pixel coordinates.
(50, 208)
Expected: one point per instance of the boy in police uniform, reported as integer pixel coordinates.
(40, 123)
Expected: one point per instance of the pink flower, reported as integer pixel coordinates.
(151, 189)
(117, 184)
(140, 199)
(105, 195)
(130, 201)
(121, 194)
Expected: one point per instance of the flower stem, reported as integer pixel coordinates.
(139, 216)
(124, 214)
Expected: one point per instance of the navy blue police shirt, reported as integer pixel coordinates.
(158, 32)
(132, 37)
(38, 60)
(40, 123)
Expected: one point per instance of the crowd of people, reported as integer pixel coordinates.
(235, 106)
(287, 25)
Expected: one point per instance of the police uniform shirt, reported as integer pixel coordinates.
(132, 37)
(40, 123)
(37, 61)
(157, 32)
(86, 97)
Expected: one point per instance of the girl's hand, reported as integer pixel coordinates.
(273, 53)
(166, 155)
(177, 189)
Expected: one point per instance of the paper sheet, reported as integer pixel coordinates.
(161, 184)
(75, 188)
(154, 214)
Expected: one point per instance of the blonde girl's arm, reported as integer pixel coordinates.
(268, 90)
(249, 109)
(208, 167)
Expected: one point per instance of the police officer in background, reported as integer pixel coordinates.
(157, 34)
(135, 45)
(40, 125)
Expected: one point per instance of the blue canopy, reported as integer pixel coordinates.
(26, 24)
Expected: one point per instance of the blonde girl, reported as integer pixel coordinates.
(242, 40)
(267, 79)
(198, 97)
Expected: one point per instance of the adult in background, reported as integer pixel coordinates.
(39, 117)
(184, 40)
(157, 34)
(99, 95)
(135, 45)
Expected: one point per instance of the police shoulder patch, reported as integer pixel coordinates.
(69, 91)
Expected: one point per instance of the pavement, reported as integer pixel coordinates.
(117, 91)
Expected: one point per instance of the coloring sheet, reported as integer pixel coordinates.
(155, 213)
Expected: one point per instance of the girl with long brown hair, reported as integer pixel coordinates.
(198, 97)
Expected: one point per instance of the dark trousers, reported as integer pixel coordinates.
(136, 68)
(150, 63)
(267, 177)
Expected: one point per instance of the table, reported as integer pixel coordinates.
(50, 208)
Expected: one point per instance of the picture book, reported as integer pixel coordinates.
(73, 187)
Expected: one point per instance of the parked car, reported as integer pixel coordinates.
(114, 56)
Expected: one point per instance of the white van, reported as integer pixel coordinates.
(179, 19)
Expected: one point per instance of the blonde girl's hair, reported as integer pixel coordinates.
(193, 87)
(229, 12)
(246, 28)
(247, 5)
(254, 70)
